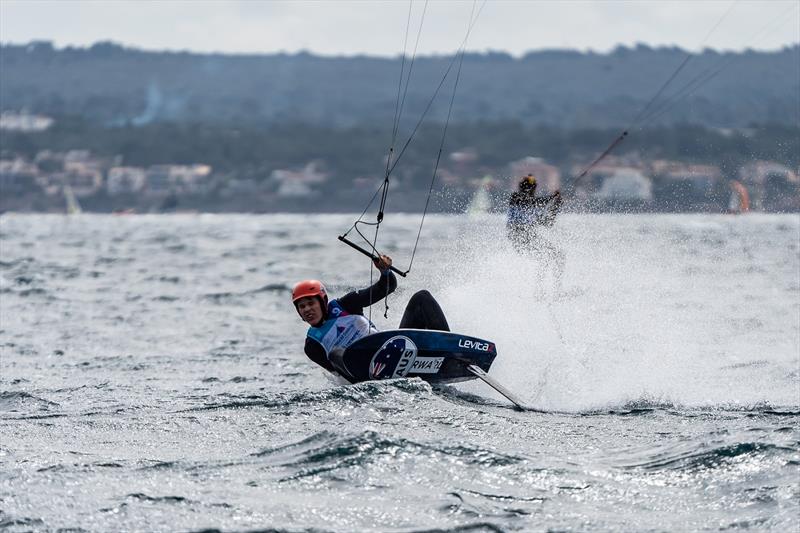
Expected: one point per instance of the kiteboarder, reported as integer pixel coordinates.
(335, 324)
(527, 214)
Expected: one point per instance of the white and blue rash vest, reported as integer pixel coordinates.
(340, 329)
(526, 216)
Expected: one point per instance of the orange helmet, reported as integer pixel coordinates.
(310, 287)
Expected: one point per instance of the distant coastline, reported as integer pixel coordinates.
(163, 131)
(113, 84)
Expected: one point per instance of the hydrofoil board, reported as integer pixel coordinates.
(432, 355)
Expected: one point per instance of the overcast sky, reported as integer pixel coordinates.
(378, 27)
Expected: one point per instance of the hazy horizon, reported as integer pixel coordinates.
(378, 29)
(631, 46)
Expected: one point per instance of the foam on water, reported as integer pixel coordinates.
(696, 313)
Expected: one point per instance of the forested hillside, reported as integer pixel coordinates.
(567, 89)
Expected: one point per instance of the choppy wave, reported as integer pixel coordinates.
(646, 405)
(356, 394)
(8, 521)
(15, 402)
(327, 451)
(691, 456)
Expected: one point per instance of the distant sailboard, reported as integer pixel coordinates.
(73, 207)
(739, 200)
(481, 202)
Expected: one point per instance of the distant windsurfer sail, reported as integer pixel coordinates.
(740, 198)
(481, 202)
(73, 207)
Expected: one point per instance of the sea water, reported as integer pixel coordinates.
(152, 377)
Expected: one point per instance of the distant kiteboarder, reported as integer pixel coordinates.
(527, 215)
(336, 324)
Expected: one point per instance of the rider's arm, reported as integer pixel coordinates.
(316, 353)
(356, 301)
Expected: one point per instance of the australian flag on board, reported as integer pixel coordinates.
(385, 361)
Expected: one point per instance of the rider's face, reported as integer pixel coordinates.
(310, 309)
